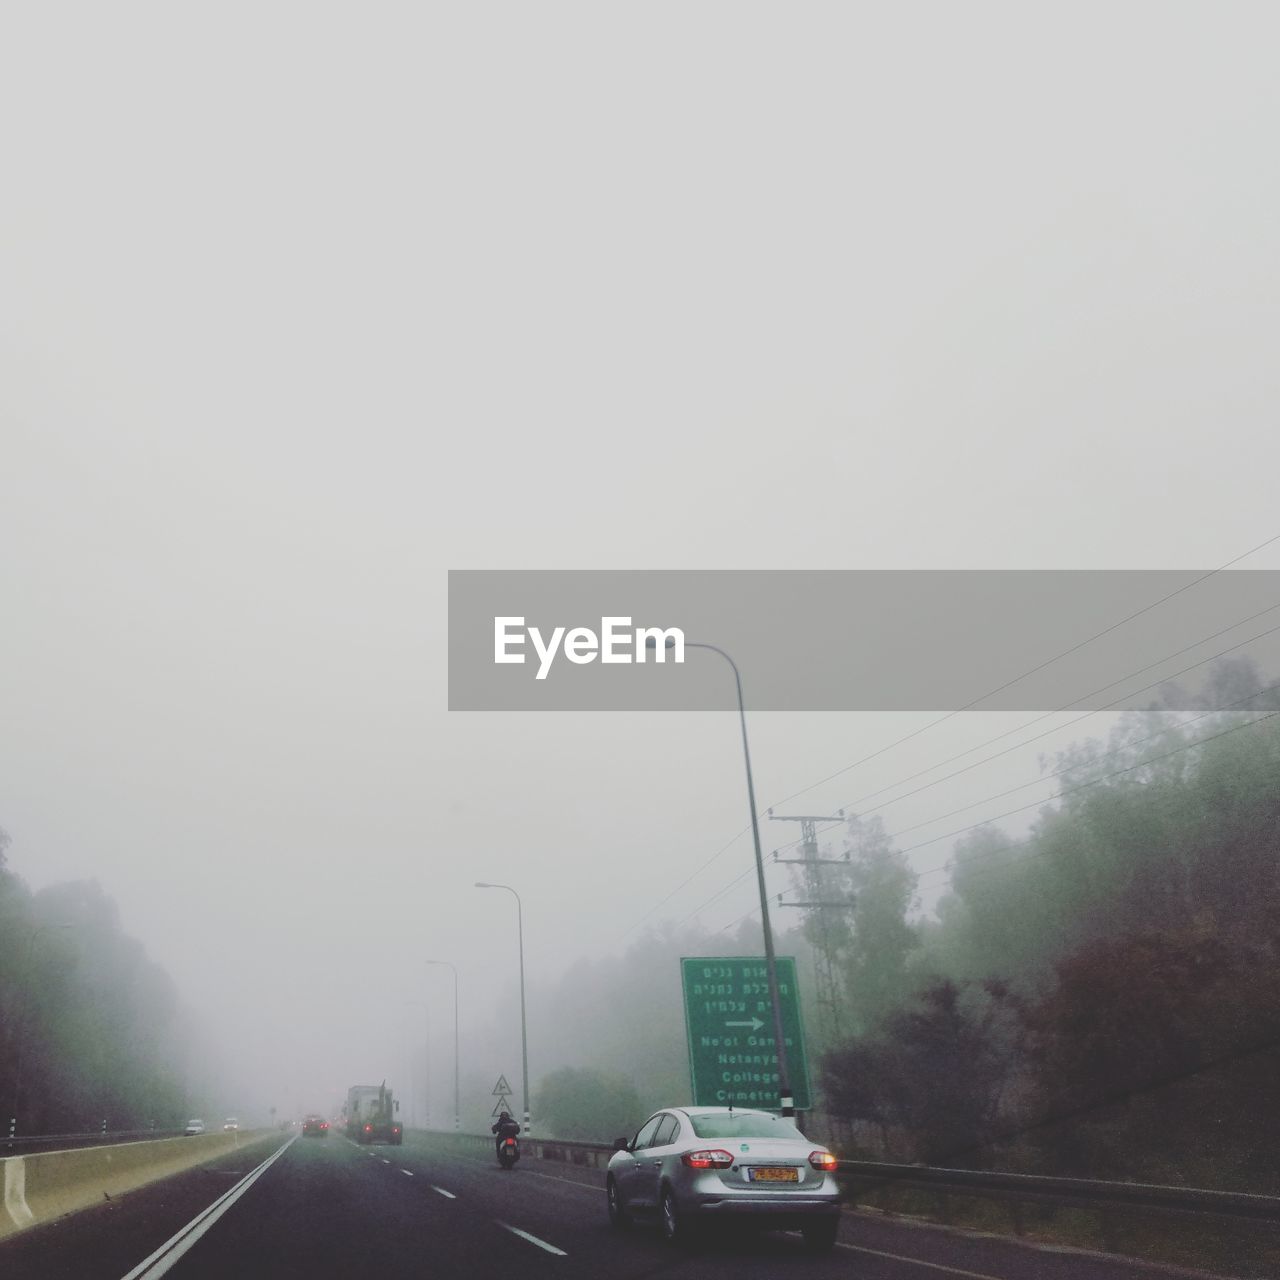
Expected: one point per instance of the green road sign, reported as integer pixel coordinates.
(733, 1057)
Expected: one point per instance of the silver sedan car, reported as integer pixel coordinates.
(688, 1166)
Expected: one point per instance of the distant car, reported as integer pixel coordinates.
(317, 1125)
(230, 1124)
(194, 1126)
(690, 1166)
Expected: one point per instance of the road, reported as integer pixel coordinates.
(325, 1207)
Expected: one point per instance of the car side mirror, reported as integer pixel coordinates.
(621, 1144)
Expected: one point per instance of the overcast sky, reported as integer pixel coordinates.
(303, 305)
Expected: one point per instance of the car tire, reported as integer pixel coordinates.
(820, 1235)
(619, 1218)
(677, 1229)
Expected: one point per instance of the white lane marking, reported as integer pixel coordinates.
(568, 1182)
(158, 1263)
(407, 1173)
(384, 1160)
(919, 1262)
(448, 1195)
(542, 1244)
(534, 1173)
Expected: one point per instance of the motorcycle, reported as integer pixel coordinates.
(508, 1152)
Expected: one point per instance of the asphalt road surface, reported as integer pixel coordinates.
(324, 1207)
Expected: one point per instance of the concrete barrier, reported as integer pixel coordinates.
(41, 1187)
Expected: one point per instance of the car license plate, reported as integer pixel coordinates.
(760, 1174)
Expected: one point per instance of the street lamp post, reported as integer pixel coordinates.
(524, 1026)
(36, 931)
(786, 1098)
(426, 1059)
(457, 1106)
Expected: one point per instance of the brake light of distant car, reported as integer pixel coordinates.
(823, 1160)
(707, 1159)
(368, 1128)
(324, 1124)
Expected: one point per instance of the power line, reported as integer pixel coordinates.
(749, 912)
(1155, 684)
(723, 849)
(1199, 742)
(1092, 693)
(1022, 844)
(999, 795)
(968, 706)
(1039, 853)
(1048, 662)
(995, 853)
(1059, 795)
(717, 895)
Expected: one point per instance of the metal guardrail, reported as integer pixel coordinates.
(30, 1143)
(857, 1174)
(1064, 1191)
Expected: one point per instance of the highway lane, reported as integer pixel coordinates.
(329, 1208)
(105, 1242)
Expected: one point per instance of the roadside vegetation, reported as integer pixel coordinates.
(1099, 997)
(88, 1024)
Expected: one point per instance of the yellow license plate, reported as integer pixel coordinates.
(773, 1175)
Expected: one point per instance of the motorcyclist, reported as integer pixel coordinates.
(505, 1128)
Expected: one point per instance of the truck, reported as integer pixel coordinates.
(371, 1114)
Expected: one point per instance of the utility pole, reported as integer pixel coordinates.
(816, 901)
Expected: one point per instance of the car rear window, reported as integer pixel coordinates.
(748, 1125)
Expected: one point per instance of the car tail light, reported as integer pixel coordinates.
(823, 1160)
(368, 1128)
(707, 1159)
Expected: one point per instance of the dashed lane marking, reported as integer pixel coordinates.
(534, 1173)
(448, 1195)
(568, 1182)
(408, 1173)
(542, 1244)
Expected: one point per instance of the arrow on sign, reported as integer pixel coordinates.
(755, 1024)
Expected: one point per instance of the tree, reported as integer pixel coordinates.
(936, 1070)
(93, 1018)
(588, 1105)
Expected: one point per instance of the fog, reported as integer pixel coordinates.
(301, 309)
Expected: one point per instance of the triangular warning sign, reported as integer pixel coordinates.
(501, 1087)
(502, 1105)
